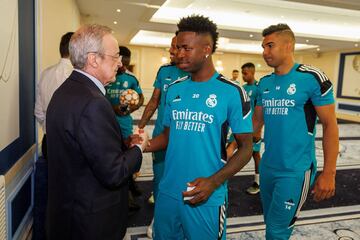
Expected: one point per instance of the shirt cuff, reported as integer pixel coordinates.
(139, 146)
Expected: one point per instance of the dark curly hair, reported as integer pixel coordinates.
(279, 28)
(248, 65)
(200, 25)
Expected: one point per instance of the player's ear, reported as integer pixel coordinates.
(207, 50)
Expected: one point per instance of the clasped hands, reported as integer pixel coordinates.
(140, 138)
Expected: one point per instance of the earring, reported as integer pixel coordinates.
(207, 55)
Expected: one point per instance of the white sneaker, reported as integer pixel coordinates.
(149, 230)
(253, 189)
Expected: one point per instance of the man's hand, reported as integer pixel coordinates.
(324, 186)
(204, 187)
(141, 137)
(133, 108)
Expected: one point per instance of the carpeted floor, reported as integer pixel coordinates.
(243, 204)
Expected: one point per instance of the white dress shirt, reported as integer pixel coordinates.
(51, 78)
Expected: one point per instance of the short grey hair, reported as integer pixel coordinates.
(87, 39)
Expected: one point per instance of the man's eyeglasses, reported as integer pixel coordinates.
(116, 57)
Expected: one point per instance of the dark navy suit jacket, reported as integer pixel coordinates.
(89, 166)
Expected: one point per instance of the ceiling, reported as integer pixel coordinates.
(325, 25)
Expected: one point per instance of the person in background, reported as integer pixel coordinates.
(235, 76)
(165, 76)
(124, 80)
(251, 88)
(89, 164)
(289, 102)
(50, 79)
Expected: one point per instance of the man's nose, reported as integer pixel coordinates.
(180, 53)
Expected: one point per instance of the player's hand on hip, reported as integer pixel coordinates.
(202, 188)
(324, 186)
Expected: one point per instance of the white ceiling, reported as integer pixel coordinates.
(324, 24)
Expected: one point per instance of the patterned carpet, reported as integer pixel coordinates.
(337, 218)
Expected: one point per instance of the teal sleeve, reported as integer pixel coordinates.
(136, 86)
(239, 112)
(322, 93)
(157, 82)
(167, 111)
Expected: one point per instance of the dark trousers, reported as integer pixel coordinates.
(44, 147)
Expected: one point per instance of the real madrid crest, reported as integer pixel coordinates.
(292, 89)
(211, 101)
(125, 84)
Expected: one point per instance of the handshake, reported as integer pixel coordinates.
(140, 138)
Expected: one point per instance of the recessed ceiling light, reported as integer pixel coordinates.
(318, 49)
(118, 10)
(115, 22)
(307, 40)
(282, 16)
(356, 45)
(251, 35)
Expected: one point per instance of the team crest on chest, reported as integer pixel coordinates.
(292, 89)
(125, 84)
(211, 101)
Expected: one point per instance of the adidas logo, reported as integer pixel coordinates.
(177, 99)
(289, 204)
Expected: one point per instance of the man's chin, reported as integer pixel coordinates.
(110, 81)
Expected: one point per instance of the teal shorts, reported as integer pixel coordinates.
(174, 219)
(282, 196)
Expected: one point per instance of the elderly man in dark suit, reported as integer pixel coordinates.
(89, 166)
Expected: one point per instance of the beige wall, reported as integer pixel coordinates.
(55, 19)
(329, 63)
